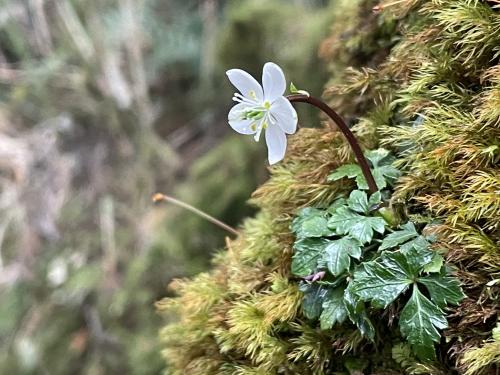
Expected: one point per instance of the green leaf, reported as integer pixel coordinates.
(417, 252)
(345, 221)
(306, 254)
(294, 90)
(363, 230)
(316, 226)
(375, 200)
(334, 310)
(305, 214)
(356, 311)
(390, 173)
(383, 173)
(342, 219)
(338, 253)
(376, 156)
(419, 322)
(339, 202)
(382, 280)
(443, 289)
(347, 170)
(435, 265)
(398, 237)
(358, 201)
(313, 300)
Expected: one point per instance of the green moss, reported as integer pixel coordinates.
(432, 96)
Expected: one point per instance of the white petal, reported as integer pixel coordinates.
(284, 114)
(276, 144)
(246, 84)
(273, 81)
(236, 122)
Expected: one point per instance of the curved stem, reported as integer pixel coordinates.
(363, 163)
(165, 198)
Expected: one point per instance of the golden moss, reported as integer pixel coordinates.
(425, 83)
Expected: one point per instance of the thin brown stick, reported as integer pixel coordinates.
(165, 198)
(363, 163)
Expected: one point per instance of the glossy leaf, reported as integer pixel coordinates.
(339, 202)
(347, 170)
(443, 289)
(383, 173)
(382, 280)
(419, 322)
(358, 201)
(435, 264)
(338, 254)
(376, 156)
(305, 214)
(334, 310)
(313, 300)
(398, 237)
(306, 254)
(356, 311)
(345, 221)
(315, 226)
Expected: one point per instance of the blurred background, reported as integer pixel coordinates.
(102, 104)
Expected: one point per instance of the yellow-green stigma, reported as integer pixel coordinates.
(267, 105)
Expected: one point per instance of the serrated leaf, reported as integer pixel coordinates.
(313, 301)
(336, 259)
(316, 226)
(363, 230)
(339, 202)
(390, 173)
(435, 265)
(356, 311)
(443, 289)
(345, 221)
(347, 170)
(379, 178)
(417, 252)
(334, 310)
(375, 199)
(306, 254)
(338, 253)
(305, 214)
(358, 201)
(419, 322)
(383, 174)
(382, 280)
(376, 156)
(398, 237)
(342, 219)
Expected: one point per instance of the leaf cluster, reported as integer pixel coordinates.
(381, 167)
(353, 263)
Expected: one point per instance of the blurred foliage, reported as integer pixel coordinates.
(257, 31)
(103, 103)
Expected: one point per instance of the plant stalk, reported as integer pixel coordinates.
(337, 119)
(165, 198)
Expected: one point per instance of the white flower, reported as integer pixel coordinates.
(264, 108)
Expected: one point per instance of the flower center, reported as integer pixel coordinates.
(253, 114)
(267, 105)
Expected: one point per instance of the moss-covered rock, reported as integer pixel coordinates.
(432, 95)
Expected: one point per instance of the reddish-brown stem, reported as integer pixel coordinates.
(363, 163)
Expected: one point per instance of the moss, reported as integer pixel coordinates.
(431, 94)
